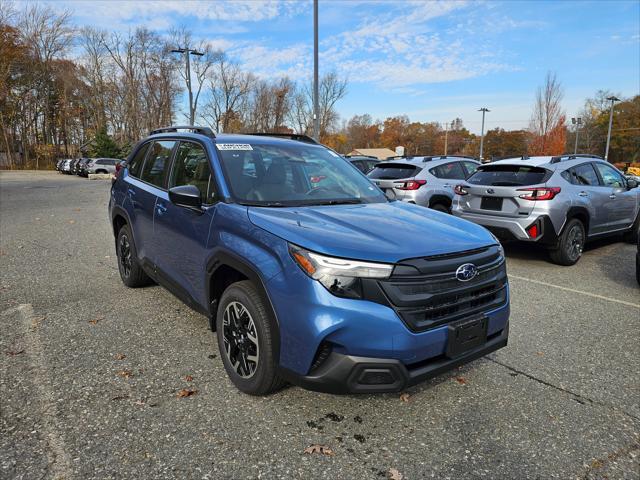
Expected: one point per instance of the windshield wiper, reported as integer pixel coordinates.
(265, 204)
(340, 201)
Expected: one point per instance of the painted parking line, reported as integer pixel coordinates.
(581, 292)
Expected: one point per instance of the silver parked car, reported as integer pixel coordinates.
(426, 181)
(102, 165)
(560, 202)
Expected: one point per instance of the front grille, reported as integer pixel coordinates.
(426, 293)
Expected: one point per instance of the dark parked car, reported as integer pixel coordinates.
(306, 282)
(363, 163)
(81, 168)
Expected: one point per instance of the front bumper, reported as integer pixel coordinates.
(342, 374)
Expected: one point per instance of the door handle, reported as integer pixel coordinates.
(160, 209)
(583, 194)
(612, 196)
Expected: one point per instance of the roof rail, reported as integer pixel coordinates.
(444, 157)
(573, 156)
(524, 157)
(291, 136)
(361, 156)
(195, 129)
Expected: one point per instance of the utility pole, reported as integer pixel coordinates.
(483, 110)
(577, 122)
(612, 99)
(316, 113)
(446, 137)
(187, 52)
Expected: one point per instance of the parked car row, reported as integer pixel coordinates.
(85, 166)
(560, 202)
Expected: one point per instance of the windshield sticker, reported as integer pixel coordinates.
(234, 146)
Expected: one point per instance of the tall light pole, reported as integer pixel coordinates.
(612, 99)
(316, 113)
(483, 110)
(187, 52)
(577, 122)
(446, 137)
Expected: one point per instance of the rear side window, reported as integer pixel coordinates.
(509, 175)
(583, 175)
(191, 167)
(155, 167)
(451, 170)
(393, 171)
(135, 165)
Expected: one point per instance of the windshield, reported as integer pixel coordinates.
(508, 175)
(287, 175)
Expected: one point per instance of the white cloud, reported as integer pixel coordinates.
(292, 61)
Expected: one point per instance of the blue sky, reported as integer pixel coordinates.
(430, 60)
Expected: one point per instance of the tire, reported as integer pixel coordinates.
(570, 245)
(439, 207)
(243, 314)
(632, 235)
(101, 171)
(131, 272)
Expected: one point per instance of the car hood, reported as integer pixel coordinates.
(382, 232)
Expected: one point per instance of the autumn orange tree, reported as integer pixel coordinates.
(547, 126)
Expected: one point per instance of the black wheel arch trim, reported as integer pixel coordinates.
(227, 258)
(117, 210)
(577, 212)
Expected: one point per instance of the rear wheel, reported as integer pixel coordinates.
(440, 208)
(570, 245)
(131, 272)
(246, 340)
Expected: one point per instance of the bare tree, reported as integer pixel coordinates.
(201, 65)
(332, 88)
(229, 88)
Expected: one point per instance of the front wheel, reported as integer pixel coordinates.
(440, 208)
(570, 245)
(246, 340)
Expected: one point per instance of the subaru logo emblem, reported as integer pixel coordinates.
(466, 272)
(490, 190)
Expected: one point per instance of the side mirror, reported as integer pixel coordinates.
(631, 183)
(187, 196)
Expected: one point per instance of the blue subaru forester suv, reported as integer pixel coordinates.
(307, 272)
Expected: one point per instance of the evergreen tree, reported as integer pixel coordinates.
(104, 146)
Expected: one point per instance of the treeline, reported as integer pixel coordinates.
(67, 91)
(549, 133)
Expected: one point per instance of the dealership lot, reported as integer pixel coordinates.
(92, 373)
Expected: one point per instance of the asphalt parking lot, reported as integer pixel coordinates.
(92, 373)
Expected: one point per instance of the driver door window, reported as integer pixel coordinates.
(610, 176)
(191, 167)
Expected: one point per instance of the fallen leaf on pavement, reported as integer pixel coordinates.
(120, 397)
(15, 353)
(461, 380)
(321, 449)
(395, 474)
(125, 373)
(540, 354)
(72, 222)
(96, 320)
(404, 397)
(120, 356)
(188, 378)
(140, 402)
(185, 392)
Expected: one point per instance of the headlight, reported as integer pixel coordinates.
(340, 276)
(500, 247)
